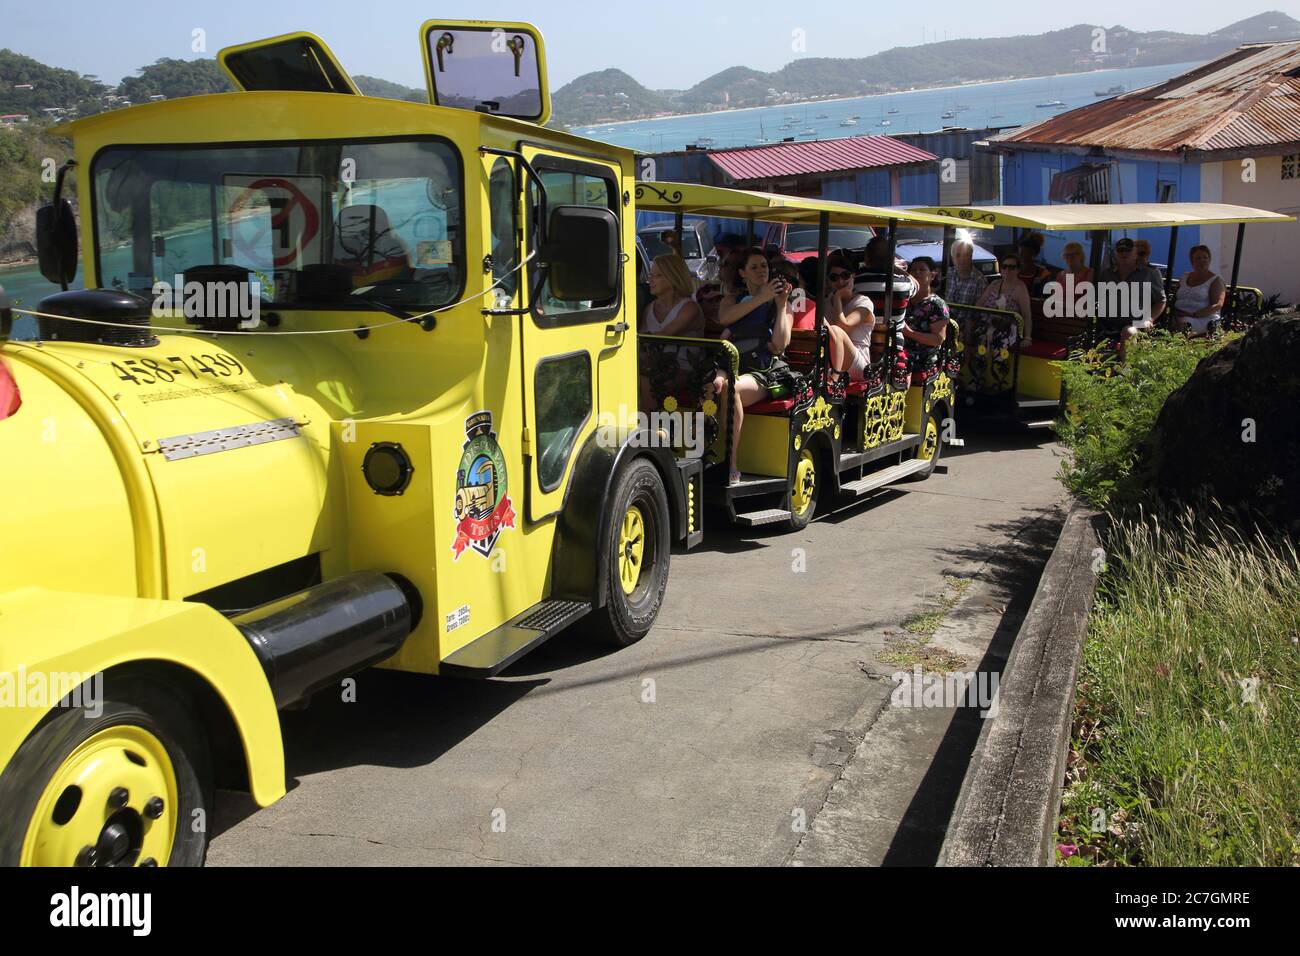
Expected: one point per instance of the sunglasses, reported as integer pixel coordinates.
(837, 276)
(1011, 265)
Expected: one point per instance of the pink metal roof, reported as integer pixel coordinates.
(1248, 99)
(827, 156)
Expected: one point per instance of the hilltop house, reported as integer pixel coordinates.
(13, 119)
(1228, 131)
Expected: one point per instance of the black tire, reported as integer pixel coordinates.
(626, 618)
(131, 701)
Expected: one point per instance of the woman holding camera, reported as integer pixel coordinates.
(757, 320)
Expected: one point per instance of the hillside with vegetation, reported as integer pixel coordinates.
(594, 97)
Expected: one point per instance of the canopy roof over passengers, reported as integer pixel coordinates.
(727, 203)
(1102, 216)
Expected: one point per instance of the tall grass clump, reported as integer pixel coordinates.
(1187, 727)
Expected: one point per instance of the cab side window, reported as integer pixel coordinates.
(502, 204)
(569, 188)
(563, 396)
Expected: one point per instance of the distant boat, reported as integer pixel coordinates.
(808, 132)
(948, 115)
(1049, 105)
(849, 122)
(856, 116)
(1113, 91)
(891, 110)
(706, 141)
(885, 122)
(823, 116)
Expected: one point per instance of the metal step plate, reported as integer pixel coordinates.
(886, 476)
(751, 519)
(499, 648)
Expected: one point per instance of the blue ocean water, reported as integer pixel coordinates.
(976, 106)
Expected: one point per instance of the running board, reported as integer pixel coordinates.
(496, 650)
(1041, 423)
(753, 519)
(1029, 402)
(886, 476)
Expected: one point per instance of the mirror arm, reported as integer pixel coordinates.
(58, 193)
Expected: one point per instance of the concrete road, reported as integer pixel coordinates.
(752, 726)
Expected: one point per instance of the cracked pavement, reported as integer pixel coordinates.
(770, 739)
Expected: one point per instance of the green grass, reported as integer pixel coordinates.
(1188, 712)
(914, 650)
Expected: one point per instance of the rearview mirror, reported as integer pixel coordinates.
(56, 242)
(581, 253)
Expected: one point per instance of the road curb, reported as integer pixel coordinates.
(1007, 809)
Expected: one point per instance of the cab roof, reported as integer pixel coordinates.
(273, 116)
(728, 203)
(1102, 216)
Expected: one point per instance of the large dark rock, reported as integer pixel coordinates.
(1201, 444)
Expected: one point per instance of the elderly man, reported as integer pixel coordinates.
(1130, 297)
(964, 284)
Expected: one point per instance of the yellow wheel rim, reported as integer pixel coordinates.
(631, 549)
(805, 483)
(112, 802)
(930, 444)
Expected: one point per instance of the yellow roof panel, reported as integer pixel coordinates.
(1096, 216)
(727, 203)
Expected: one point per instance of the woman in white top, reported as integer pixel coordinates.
(673, 310)
(1200, 295)
(851, 321)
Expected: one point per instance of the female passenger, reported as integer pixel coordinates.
(1009, 293)
(927, 319)
(1200, 295)
(757, 320)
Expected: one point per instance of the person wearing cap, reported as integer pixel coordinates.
(1130, 297)
(10, 398)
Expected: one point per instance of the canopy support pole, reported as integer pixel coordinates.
(749, 233)
(1094, 257)
(1236, 268)
(819, 293)
(945, 253)
(1169, 263)
(678, 219)
(889, 277)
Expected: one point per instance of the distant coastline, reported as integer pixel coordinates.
(841, 99)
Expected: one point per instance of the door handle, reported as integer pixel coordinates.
(617, 328)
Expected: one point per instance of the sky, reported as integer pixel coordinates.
(662, 43)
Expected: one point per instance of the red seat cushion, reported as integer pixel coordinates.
(1044, 350)
(857, 388)
(770, 407)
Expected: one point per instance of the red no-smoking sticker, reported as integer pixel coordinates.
(290, 234)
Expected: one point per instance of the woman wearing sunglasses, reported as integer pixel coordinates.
(850, 321)
(1009, 293)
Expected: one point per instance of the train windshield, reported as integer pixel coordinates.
(325, 225)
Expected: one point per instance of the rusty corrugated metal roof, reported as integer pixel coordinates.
(1247, 99)
(827, 156)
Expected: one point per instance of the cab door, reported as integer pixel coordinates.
(578, 357)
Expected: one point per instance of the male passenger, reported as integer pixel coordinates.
(1130, 297)
(870, 281)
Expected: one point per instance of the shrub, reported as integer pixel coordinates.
(1109, 414)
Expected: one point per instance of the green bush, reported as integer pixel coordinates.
(1110, 411)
